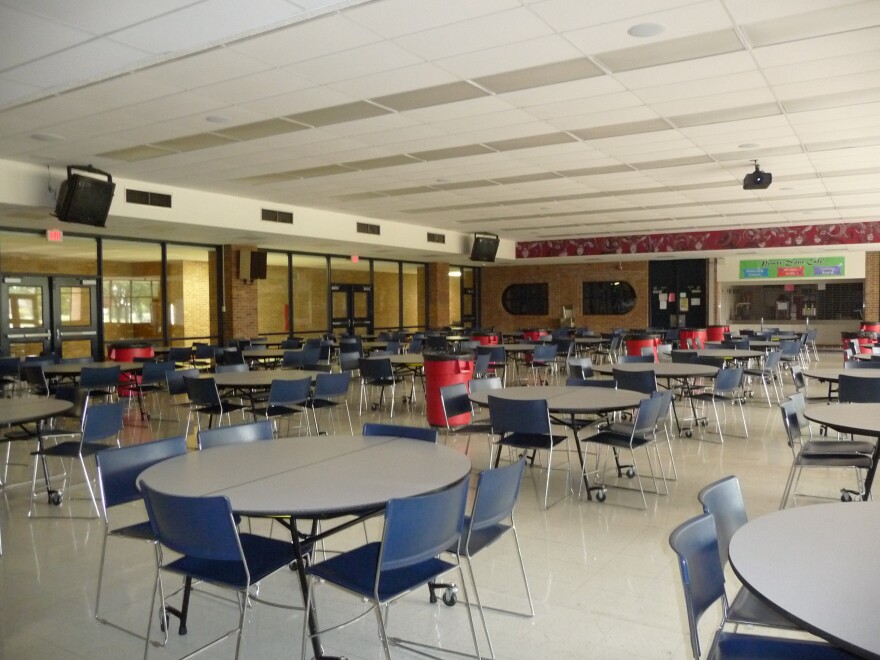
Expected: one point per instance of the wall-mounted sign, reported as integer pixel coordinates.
(752, 269)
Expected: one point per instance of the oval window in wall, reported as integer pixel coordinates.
(526, 299)
(608, 297)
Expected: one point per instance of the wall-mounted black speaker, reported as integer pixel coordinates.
(252, 265)
(484, 248)
(85, 199)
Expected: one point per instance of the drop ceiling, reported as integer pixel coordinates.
(533, 119)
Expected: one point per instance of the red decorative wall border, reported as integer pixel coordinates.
(805, 236)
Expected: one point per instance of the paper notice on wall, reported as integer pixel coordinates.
(683, 304)
(695, 302)
(663, 304)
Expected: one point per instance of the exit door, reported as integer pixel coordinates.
(352, 306)
(49, 316)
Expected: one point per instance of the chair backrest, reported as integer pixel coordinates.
(580, 367)
(155, 372)
(392, 347)
(415, 345)
(791, 422)
(665, 397)
(228, 368)
(728, 380)
(684, 356)
(328, 386)
(497, 354)
(798, 378)
(180, 354)
(88, 359)
(574, 381)
(496, 495)
(206, 351)
(119, 467)
(102, 422)
(637, 381)
(636, 359)
(349, 360)
(421, 527)
(790, 349)
(99, 377)
(772, 360)
(175, 380)
(290, 391)
(234, 357)
(696, 544)
(512, 416)
(10, 367)
(376, 368)
(723, 500)
(455, 401)
(202, 391)
(35, 377)
(484, 384)
(544, 352)
(855, 389)
(199, 527)
(400, 431)
(481, 365)
(235, 434)
(311, 355)
(646, 416)
(861, 364)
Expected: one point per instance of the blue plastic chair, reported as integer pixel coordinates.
(723, 500)
(696, 544)
(203, 531)
(526, 425)
(118, 470)
(100, 424)
(100, 381)
(331, 390)
(377, 372)
(399, 431)
(287, 397)
(636, 381)
(728, 388)
(235, 434)
(417, 530)
(205, 399)
(491, 519)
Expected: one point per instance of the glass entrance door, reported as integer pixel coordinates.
(49, 316)
(352, 306)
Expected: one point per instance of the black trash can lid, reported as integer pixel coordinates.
(441, 356)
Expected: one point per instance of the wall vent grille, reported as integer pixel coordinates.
(147, 198)
(367, 228)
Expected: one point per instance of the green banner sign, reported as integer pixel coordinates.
(752, 269)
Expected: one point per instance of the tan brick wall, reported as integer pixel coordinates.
(242, 311)
(565, 288)
(872, 286)
(272, 301)
(438, 282)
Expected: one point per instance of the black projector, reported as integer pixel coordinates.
(757, 180)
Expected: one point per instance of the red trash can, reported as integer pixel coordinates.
(716, 332)
(129, 354)
(865, 341)
(696, 335)
(485, 338)
(442, 369)
(636, 342)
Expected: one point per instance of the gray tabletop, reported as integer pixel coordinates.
(662, 369)
(817, 564)
(20, 411)
(410, 359)
(519, 348)
(832, 374)
(859, 418)
(75, 368)
(567, 399)
(259, 377)
(591, 341)
(265, 353)
(730, 353)
(312, 476)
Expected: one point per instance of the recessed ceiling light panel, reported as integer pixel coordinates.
(646, 30)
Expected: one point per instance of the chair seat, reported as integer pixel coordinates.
(747, 608)
(218, 410)
(141, 531)
(474, 428)
(837, 447)
(355, 571)
(261, 552)
(481, 538)
(532, 440)
(69, 450)
(322, 403)
(750, 647)
(619, 440)
(277, 410)
(860, 461)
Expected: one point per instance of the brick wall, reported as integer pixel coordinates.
(565, 288)
(241, 317)
(438, 282)
(872, 286)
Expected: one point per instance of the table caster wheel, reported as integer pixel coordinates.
(689, 434)
(450, 596)
(601, 495)
(55, 497)
(846, 497)
(630, 473)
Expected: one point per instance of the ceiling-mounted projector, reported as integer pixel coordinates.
(757, 180)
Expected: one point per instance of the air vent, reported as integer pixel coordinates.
(436, 238)
(366, 228)
(278, 216)
(147, 198)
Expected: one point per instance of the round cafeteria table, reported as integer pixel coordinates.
(312, 477)
(730, 354)
(817, 565)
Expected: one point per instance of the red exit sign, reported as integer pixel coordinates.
(54, 235)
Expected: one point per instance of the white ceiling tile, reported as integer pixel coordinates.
(742, 98)
(707, 87)
(12, 92)
(830, 85)
(394, 81)
(102, 16)
(120, 92)
(580, 91)
(506, 27)
(302, 100)
(682, 21)
(394, 18)
(307, 41)
(254, 87)
(510, 57)
(706, 67)
(18, 44)
(206, 68)
(819, 48)
(568, 15)
(591, 111)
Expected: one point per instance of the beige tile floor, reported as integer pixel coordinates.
(604, 581)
